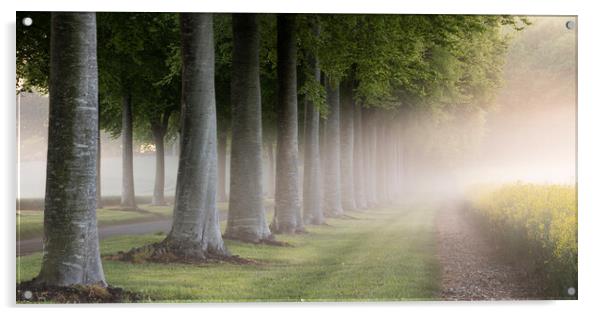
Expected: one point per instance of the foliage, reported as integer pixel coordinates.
(135, 54)
(308, 33)
(540, 220)
(32, 52)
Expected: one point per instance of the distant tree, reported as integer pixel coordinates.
(287, 216)
(335, 58)
(246, 216)
(313, 94)
(223, 66)
(347, 145)
(140, 79)
(161, 81)
(121, 38)
(332, 168)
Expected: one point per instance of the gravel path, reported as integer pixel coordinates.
(471, 270)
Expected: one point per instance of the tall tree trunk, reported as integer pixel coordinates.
(312, 182)
(388, 172)
(358, 158)
(98, 166)
(71, 251)
(347, 181)
(287, 204)
(323, 153)
(397, 160)
(370, 157)
(246, 217)
(383, 150)
(159, 139)
(271, 172)
(128, 197)
(196, 229)
(222, 146)
(402, 161)
(332, 167)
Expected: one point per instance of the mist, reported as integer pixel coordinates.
(528, 134)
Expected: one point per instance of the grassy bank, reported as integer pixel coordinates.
(535, 225)
(384, 254)
(30, 224)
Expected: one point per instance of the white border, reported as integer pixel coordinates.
(589, 160)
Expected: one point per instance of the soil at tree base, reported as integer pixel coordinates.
(28, 292)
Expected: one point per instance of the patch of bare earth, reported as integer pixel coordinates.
(28, 292)
(471, 268)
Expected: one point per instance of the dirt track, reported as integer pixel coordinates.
(471, 270)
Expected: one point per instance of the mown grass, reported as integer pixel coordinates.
(384, 254)
(30, 224)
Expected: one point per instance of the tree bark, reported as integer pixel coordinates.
(222, 147)
(370, 158)
(332, 167)
(271, 172)
(128, 197)
(71, 251)
(358, 158)
(98, 166)
(158, 130)
(347, 151)
(381, 161)
(287, 204)
(196, 230)
(312, 182)
(246, 216)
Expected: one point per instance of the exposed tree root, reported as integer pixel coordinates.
(28, 292)
(288, 230)
(301, 231)
(311, 222)
(274, 242)
(271, 241)
(165, 252)
(340, 216)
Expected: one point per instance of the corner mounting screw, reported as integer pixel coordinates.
(27, 21)
(570, 24)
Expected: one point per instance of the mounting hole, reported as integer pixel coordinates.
(27, 295)
(570, 24)
(571, 291)
(27, 21)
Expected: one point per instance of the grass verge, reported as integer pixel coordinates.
(30, 223)
(386, 254)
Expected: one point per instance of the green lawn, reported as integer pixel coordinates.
(384, 254)
(30, 223)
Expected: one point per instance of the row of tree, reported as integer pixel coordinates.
(363, 82)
